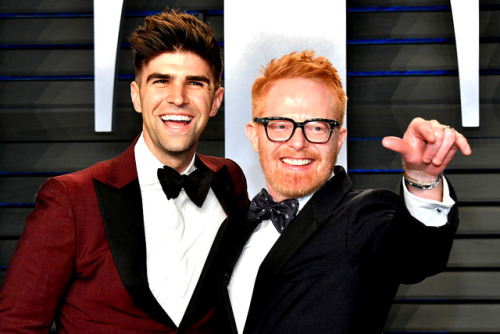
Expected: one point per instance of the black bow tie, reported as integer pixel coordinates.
(264, 207)
(196, 184)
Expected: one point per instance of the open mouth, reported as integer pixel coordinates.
(296, 162)
(181, 119)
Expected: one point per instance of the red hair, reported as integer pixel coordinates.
(299, 65)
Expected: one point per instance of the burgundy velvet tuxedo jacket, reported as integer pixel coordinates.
(82, 257)
(337, 266)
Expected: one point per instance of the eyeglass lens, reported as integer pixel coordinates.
(314, 131)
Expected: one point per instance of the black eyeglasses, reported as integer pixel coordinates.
(281, 129)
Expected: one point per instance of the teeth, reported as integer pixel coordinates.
(297, 162)
(178, 118)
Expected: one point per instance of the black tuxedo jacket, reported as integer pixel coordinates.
(82, 257)
(338, 265)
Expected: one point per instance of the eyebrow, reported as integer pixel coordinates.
(201, 78)
(154, 76)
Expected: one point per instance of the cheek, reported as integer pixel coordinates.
(153, 99)
(202, 101)
(267, 159)
(268, 150)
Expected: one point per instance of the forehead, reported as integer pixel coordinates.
(299, 99)
(181, 63)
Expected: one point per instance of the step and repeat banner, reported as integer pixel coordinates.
(256, 32)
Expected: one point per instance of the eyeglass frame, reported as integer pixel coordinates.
(265, 121)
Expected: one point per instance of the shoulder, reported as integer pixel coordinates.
(216, 163)
(58, 188)
(371, 203)
(117, 172)
(230, 172)
(96, 171)
(363, 211)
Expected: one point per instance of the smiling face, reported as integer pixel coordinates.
(176, 96)
(297, 167)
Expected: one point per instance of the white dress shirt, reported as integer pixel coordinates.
(265, 235)
(179, 235)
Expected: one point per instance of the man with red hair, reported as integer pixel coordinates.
(315, 254)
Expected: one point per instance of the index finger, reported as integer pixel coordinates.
(463, 144)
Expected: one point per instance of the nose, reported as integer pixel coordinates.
(298, 140)
(176, 94)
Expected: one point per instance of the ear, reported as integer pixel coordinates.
(219, 93)
(251, 132)
(135, 94)
(342, 137)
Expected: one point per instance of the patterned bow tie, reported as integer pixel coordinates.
(264, 207)
(196, 184)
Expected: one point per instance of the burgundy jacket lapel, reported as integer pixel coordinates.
(120, 203)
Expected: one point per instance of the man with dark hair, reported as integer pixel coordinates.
(315, 254)
(127, 245)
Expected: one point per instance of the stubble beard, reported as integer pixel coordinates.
(296, 184)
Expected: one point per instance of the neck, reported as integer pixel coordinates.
(179, 163)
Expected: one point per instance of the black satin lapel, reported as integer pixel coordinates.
(121, 211)
(295, 235)
(224, 190)
(223, 249)
(328, 197)
(204, 295)
(308, 221)
(314, 214)
(299, 230)
(237, 230)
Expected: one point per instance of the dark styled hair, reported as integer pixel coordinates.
(174, 31)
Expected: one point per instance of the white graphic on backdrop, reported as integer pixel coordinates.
(252, 37)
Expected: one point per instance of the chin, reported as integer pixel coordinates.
(295, 184)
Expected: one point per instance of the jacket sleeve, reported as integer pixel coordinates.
(383, 236)
(416, 250)
(42, 264)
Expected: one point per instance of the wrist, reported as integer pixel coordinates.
(423, 185)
